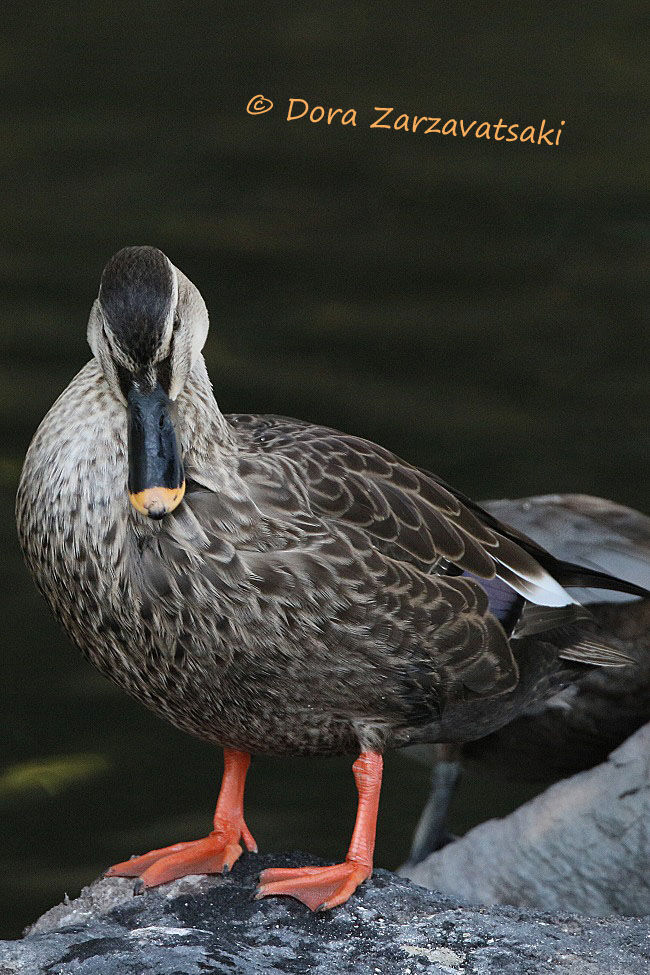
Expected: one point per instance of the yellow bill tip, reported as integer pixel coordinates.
(156, 502)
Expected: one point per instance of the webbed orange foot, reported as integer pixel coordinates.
(318, 888)
(215, 853)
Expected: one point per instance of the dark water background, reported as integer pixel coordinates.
(476, 306)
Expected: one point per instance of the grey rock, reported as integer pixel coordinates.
(583, 845)
(390, 927)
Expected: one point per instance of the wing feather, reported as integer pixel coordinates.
(408, 513)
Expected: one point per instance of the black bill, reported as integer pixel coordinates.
(156, 476)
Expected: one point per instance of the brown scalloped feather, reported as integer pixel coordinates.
(409, 513)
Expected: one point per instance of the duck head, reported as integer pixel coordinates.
(146, 329)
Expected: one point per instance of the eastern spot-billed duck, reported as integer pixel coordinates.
(271, 585)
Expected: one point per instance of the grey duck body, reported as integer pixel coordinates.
(298, 600)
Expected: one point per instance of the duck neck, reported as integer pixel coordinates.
(203, 427)
(208, 442)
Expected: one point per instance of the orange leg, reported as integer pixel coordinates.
(320, 888)
(217, 852)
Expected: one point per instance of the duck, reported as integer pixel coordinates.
(273, 586)
(585, 721)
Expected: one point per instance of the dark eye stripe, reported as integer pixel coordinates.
(164, 372)
(124, 378)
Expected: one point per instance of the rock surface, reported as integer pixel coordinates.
(584, 844)
(391, 927)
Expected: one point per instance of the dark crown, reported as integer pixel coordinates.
(135, 294)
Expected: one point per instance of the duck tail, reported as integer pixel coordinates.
(566, 573)
(579, 576)
(594, 652)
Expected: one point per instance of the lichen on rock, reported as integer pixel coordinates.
(390, 927)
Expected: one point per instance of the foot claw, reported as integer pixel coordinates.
(248, 839)
(318, 888)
